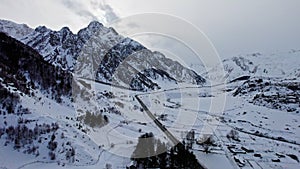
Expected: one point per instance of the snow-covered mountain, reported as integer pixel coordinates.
(281, 65)
(61, 48)
(268, 80)
(105, 50)
(125, 63)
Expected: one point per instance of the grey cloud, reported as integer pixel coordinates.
(109, 12)
(87, 14)
(79, 9)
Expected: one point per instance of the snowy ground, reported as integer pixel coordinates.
(270, 136)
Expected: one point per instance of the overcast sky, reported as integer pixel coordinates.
(234, 26)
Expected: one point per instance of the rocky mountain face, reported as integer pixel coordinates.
(100, 53)
(61, 48)
(130, 64)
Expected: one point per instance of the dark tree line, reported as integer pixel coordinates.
(152, 153)
(21, 135)
(8, 101)
(25, 68)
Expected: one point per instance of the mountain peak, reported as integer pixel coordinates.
(41, 29)
(65, 29)
(95, 25)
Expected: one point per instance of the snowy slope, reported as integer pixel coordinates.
(281, 64)
(41, 126)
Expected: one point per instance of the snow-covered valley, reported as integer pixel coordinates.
(50, 121)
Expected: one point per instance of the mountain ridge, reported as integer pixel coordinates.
(64, 48)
